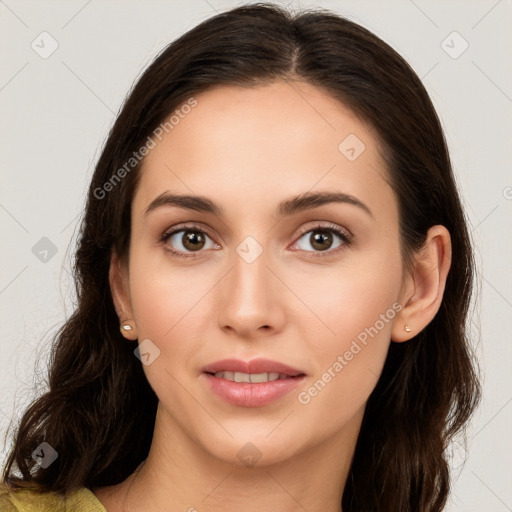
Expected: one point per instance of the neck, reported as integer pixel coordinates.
(179, 474)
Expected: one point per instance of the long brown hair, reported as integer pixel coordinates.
(99, 412)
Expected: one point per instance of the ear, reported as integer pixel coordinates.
(423, 289)
(119, 288)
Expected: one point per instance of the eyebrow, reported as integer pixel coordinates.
(305, 201)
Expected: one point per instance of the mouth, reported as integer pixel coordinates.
(253, 378)
(256, 370)
(254, 383)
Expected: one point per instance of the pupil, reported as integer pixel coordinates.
(319, 237)
(194, 239)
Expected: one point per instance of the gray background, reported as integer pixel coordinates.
(56, 112)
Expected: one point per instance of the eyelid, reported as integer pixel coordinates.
(327, 225)
(183, 226)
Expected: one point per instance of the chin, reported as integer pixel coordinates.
(259, 450)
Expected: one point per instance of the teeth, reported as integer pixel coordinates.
(251, 377)
(242, 377)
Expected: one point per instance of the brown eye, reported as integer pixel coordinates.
(193, 240)
(187, 240)
(323, 239)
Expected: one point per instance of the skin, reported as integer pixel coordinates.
(247, 149)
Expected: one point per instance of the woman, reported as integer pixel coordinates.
(313, 354)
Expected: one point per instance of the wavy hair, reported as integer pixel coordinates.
(99, 411)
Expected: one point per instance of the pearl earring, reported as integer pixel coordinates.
(407, 328)
(127, 329)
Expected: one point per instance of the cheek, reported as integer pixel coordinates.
(355, 308)
(168, 304)
(165, 298)
(350, 297)
(172, 306)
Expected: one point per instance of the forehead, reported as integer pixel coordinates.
(253, 146)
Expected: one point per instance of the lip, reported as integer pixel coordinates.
(245, 394)
(259, 365)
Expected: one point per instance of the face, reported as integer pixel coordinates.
(309, 284)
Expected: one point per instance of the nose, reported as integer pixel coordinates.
(251, 298)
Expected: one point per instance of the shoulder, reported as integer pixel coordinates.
(80, 500)
(24, 500)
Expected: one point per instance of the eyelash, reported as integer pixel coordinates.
(344, 235)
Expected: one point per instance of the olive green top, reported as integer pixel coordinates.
(80, 500)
